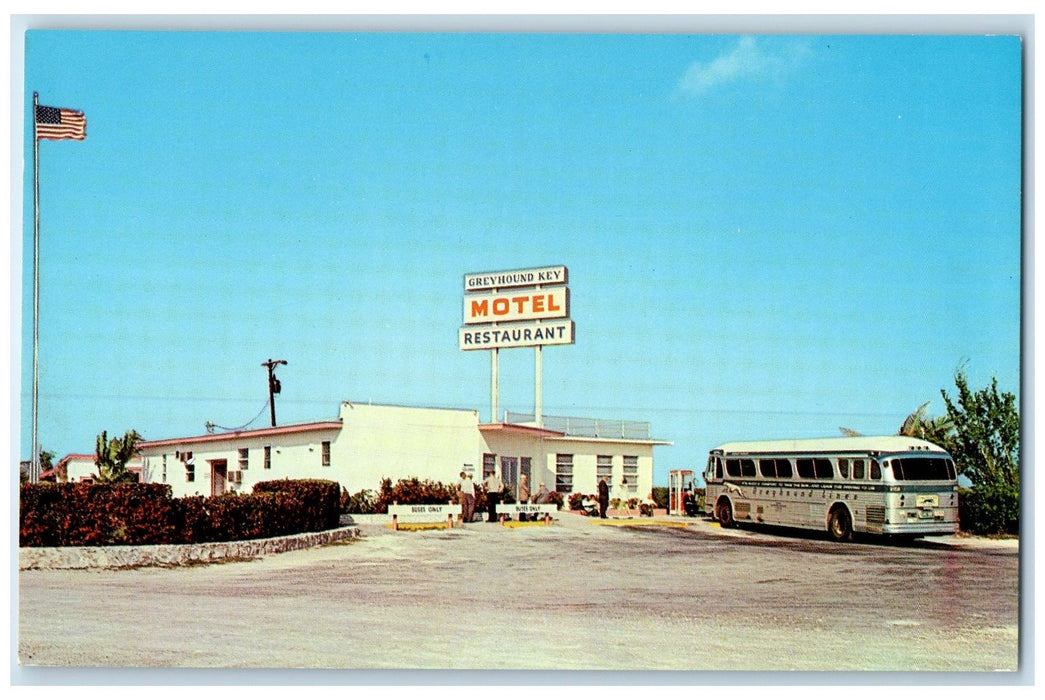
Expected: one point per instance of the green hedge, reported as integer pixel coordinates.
(61, 515)
(414, 491)
(989, 510)
(321, 501)
(67, 515)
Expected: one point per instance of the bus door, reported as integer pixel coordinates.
(712, 483)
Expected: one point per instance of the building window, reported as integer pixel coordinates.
(326, 453)
(243, 458)
(524, 467)
(564, 473)
(489, 465)
(631, 472)
(268, 457)
(190, 470)
(604, 468)
(164, 469)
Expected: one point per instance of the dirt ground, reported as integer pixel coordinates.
(575, 595)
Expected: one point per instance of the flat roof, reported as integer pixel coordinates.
(630, 441)
(518, 429)
(241, 434)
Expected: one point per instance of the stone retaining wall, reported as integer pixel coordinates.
(172, 554)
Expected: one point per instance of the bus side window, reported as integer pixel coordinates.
(824, 469)
(805, 468)
(747, 467)
(767, 467)
(783, 468)
(843, 467)
(876, 470)
(950, 470)
(733, 467)
(718, 467)
(858, 469)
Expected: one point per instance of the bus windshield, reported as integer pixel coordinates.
(922, 469)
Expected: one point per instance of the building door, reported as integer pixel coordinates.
(219, 473)
(510, 472)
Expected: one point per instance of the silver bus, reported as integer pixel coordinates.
(882, 485)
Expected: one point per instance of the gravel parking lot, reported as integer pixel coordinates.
(573, 595)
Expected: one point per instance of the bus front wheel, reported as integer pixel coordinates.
(725, 514)
(840, 526)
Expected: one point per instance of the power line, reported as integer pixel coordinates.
(211, 426)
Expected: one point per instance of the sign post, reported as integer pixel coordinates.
(537, 398)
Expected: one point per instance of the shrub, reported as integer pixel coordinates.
(413, 491)
(575, 501)
(320, 502)
(61, 515)
(989, 509)
(660, 496)
(82, 514)
(39, 510)
(361, 502)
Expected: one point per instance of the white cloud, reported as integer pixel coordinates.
(746, 60)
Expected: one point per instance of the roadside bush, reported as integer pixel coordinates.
(61, 515)
(362, 502)
(320, 502)
(992, 509)
(40, 510)
(414, 491)
(660, 496)
(82, 514)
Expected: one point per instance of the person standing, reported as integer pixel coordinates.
(523, 495)
(494, 487)
(623, 494)
(604, 497)
(467, 490)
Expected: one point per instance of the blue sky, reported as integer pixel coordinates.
(767, 236)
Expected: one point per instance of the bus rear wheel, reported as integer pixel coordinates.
(840, 525)
(725, 514)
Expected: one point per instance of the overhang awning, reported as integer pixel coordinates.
(515, 429)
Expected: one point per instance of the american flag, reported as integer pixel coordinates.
(58, 123)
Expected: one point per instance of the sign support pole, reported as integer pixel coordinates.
(493, 385)
(538, 399)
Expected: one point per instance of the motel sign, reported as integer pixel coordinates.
(515, 309)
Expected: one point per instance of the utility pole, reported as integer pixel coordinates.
(274, 385)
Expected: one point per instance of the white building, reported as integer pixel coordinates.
(368, 443)
(81, 467)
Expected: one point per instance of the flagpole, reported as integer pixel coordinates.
(34, 471)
